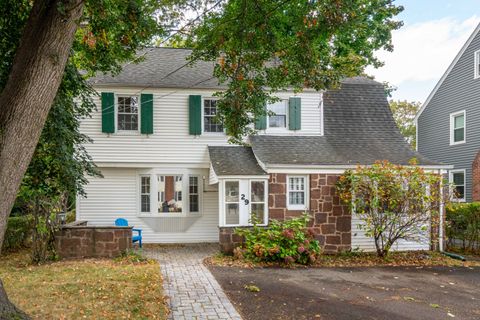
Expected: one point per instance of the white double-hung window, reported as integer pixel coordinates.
(210, 120)
(457, 127)
(279, 117)
(297, 192)
(457, 179)
(127, 113)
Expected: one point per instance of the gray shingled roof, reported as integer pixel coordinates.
(359, 129)
(234, 160)
(163, 68)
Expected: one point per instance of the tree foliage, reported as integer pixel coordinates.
(260, 47)
(393, 202)
(404, 114)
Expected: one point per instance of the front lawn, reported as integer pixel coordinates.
(89, 289)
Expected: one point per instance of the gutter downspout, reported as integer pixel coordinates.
(441, 209)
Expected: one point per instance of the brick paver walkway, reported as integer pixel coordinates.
(192, 290)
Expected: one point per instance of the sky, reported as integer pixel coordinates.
(434, 31)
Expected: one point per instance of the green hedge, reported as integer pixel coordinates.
(19, 229)
(463, 223)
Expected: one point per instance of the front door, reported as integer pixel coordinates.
(243, 198)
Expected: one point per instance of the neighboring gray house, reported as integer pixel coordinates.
(448, 124)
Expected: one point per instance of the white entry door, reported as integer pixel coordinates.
(241, 199)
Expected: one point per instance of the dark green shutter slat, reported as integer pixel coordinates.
(146, 113)
(298, 114)
(261, 121)
(294, 113)
(108, 112)
(195, 114)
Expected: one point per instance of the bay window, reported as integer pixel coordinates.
(167, 194)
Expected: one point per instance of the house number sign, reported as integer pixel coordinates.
(244, 199)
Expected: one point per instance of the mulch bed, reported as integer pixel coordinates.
(354, 259)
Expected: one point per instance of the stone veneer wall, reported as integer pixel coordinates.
(331, 221)
(78, 240)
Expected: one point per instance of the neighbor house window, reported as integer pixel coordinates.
(477, 64)
(127, 113)
(297, 193)
(145, 194)
(193, 194)
(457, 127)
(170, 193)
(279, 119)
(210, 121)
(457, 179)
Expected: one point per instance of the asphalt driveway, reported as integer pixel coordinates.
(354, 293)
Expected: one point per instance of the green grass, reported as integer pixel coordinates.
(89, 289)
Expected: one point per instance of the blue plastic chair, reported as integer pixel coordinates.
(121, 222)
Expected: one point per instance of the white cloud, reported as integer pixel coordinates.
(422, 52)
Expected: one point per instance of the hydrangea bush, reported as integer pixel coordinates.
(287, 241)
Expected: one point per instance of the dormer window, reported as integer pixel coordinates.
(477, 64)
(279, 119)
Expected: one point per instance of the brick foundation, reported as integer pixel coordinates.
(476, 178)
(331, 221)
(81, 241)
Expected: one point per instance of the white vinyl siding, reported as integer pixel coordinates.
(458, 127)
(117, 196)
(171, 142)
(362, 242)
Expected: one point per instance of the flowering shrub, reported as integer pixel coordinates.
(393, 202)
(282, 241)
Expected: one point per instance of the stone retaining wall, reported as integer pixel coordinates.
(78, 240)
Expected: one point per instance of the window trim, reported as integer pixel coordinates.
(203, 118)
(199, 193)
(141, 176)
(452, 127)
(224, 207)
(286, 118)
(476, 68)
(127, 132)
(265, 200)
(306, 192)
(450, 180)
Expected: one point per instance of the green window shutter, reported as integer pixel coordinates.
(108, 112)
(146, 113)
(195, 114)
(294, 113)
(261, 121)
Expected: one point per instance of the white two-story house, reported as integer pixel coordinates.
(168, 168)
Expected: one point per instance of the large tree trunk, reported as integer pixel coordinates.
(33, 82)
(7, 309)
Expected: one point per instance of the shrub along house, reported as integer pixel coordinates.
(169, 170)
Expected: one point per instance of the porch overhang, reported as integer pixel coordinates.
(233, 162)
